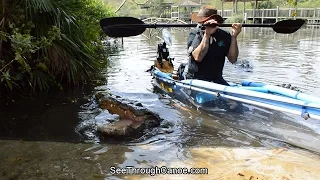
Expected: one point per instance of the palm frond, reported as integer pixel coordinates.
(73, 58)
(69, 59)
(40, 5)
(41, 80)
(47, 13)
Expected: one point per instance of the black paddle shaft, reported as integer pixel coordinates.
(120, 26)
(129, 26)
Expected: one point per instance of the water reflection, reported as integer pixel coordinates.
(44, 117)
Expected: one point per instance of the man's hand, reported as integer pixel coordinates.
(234, 51)
(210, 30)
(236, 29)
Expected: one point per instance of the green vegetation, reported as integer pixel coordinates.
(50, 43)
(140, 8)
(268, 4)
(235, 18)
(134, 7)
(129, 8)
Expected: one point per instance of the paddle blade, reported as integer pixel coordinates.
(120, 26)
(167, 37)
(288, 26)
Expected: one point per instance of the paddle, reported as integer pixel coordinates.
(130, 26)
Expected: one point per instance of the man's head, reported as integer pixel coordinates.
(206, 13)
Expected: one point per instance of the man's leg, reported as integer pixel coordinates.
(222, 82)
(228, 104)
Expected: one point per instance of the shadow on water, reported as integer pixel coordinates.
(46, 117)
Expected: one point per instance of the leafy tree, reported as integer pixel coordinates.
(49, 43)
(130, 9)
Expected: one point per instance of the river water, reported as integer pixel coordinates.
(52, 136)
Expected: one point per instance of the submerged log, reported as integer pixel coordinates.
(127, 117)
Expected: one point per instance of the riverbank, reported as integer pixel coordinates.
(54, 160)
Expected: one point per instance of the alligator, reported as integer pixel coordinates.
(289, 86)
(126, 118)
(244, 64)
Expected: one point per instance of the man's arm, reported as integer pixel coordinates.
(233, 51)
(199, 53)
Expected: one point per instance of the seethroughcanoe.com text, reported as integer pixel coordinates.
(130, 170)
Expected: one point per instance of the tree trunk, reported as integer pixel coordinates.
(222, 8)
(236, 7)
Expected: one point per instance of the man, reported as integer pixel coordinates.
(209, 47)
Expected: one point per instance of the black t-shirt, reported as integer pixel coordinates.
(211, 67)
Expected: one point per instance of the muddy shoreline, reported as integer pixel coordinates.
(53, 160)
